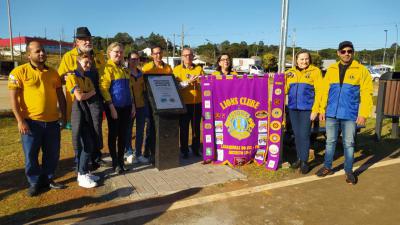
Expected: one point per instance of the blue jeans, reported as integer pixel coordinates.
(141, 114)
(44, 135)
(348, 128)
(301, 125)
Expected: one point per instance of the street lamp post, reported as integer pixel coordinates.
(10, 29)
(282, 46)
(384, 52)
(395, 51)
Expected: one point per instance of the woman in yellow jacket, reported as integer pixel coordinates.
(224, 66)
(116, 88)
(302, 86)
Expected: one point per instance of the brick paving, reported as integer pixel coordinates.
(145, 181)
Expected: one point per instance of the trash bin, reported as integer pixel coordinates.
(388, 103)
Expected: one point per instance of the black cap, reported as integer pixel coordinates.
(82, 32)
(345, 44)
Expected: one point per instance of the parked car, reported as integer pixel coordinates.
(375, 74)
(209, 69)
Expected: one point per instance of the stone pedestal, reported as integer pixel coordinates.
(167, 142)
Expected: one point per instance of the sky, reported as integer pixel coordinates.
(312, 24)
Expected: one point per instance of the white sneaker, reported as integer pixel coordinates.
(129, 159)
(85, 181)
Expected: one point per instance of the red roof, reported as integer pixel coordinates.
(5, 42)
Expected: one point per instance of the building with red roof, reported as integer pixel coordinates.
(51, 46)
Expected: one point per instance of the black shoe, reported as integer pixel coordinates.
(185, 155)
(296, 164)
(33, 190)
(323, 172)
(54, 185)
(118, 170)
(197, 153)
(101, 162)
(304, 167)
(351, 178)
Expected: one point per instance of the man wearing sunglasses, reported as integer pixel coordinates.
(345, 103)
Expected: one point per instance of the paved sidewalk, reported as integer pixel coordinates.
(145, 181)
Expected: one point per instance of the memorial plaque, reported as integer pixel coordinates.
(166, 105)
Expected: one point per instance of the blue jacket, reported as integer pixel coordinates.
(303, 88)
(351, 99)
(115, 85)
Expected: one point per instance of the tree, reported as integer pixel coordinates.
(270, 62)
(123, 38)
(316, 60)
(207, 52)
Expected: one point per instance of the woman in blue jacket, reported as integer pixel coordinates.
(303, 89)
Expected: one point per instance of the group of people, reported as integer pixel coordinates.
(342, 98)
(94, 84)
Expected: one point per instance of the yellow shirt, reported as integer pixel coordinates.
(138, 90)
(38, 97)
(192, 93)
(74, 81)
(151, 68)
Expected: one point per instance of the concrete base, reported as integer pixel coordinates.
(167, 142)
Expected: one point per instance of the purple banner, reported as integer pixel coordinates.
(275, 122)
(235, 126)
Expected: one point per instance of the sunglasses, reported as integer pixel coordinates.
(348, 51)
(134, 59)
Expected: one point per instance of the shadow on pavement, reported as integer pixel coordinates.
(162, 203)
(15, 180)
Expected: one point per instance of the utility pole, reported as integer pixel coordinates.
(10, 30)
(384, 52)
(45, 33)
(395, 51)
(20, 48)
(60, 45)
(282, 45)
(293, 47)
(173, 47)
(182, 38)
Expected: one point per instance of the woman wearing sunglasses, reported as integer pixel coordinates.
(302, 86)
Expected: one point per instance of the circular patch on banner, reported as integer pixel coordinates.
(261, 114)
(207, 93)
(240, 124)
(276, 113)
(273, 149)
(278, 91)
(207, 126)
(275, 125)
(277, 102)
(275, 138)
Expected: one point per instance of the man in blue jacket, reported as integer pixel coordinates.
(345, 103)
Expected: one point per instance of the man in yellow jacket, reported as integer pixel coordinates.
(155, 67)
(187, 74)
(345, 103)
(68, 64)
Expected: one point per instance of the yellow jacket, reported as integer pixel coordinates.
(192, 93)
(151, 68)
(115, 85)
(303, 88)
(351, 99)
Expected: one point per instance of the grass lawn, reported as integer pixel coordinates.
(16, 205)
